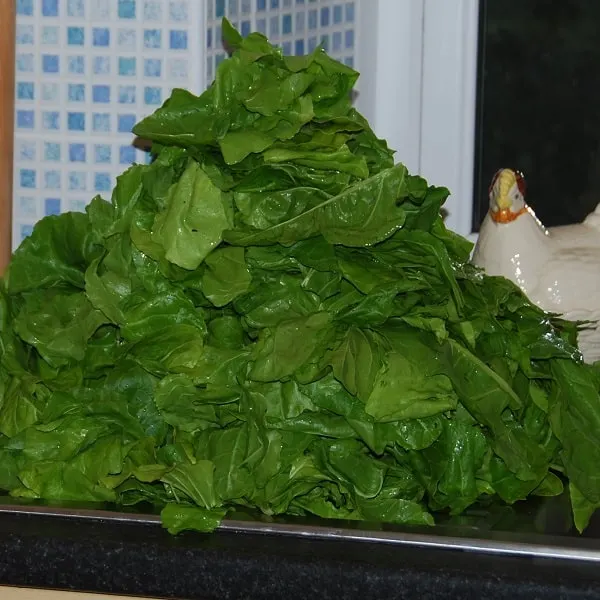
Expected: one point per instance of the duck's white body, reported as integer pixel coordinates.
(557, 268)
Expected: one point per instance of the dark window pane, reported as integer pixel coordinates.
(539, 104)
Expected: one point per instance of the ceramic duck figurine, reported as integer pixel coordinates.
(557, 268)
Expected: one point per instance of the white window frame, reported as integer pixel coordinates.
(418, 64)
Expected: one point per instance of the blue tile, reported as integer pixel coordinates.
(220, 8)
(51, 120)
(312, 44)
(286, 48)
(209, 37)
(27, 207)
(274, 26)
(152, 95)
(127, 94)
(76, 92)
(178, 10)
(152, 10)
(101, 122)
(325, 42)
(286, 24)
(27, 151)
(51, 151)
(52, 206)
(27, 178)
(261, 4)
(125, 123)
(24, 34)
(75, 36)
(178, 39)
(24, 63)
(246, 28)
(246, 7)
(25, 90)
(127, 39)
(75, 8)
(127, 66)
(102, 182)
(25, 119)
(26, 231)
(101, 36)
(77, 180)
(325, 16)
(50, 63)
(178, 68)
(312, 19)
(349, 61)
(50, 8)
(274, 4)
(102, 153)
(152, 67)
(49, 92)
(76, 65)
(77, 205)
(349, 38)
(25, 8)
(126, 9)
(336, 41)
(52, 180)
(299, 48)
(299, 1)
(126, 155)
(76, 121)
(338, 14)
(350, 12)
(76, 152)
(101, 65)
(233, 7)
(152, 38)
(50, 35)
(100, 9)
(300, 22)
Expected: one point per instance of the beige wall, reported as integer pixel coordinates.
(7, 62)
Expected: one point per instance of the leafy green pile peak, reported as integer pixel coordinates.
(273, 315)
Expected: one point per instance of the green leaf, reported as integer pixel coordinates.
(293, 344)
(226, 275)
(46, 313)
(179, 517)
(59, 481)
(365, 213)
(194, 481)
(181, 405)
(58, 251)
(357, 361)
(192, 224)
(410, 384)
(583, 509)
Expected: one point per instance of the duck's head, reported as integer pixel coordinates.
(507, 196)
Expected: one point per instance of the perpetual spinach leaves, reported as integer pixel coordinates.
(273, 315)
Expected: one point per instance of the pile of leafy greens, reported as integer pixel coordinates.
(273, 315)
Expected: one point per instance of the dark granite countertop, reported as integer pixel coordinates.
(142, 559)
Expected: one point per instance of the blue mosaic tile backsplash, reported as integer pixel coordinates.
(88, 70)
